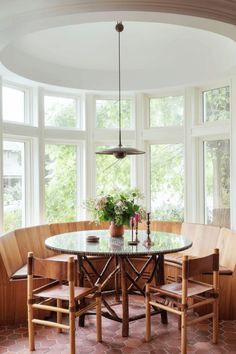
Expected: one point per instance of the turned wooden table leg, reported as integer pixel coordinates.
(125, 300)
(161, 280)
(81, 283)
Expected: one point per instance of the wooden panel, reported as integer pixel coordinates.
(204, 238)
(31, 239)
(163, 226)
(227, 247)
(10, 253)
(60, 228)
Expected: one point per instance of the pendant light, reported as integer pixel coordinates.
(120, 151)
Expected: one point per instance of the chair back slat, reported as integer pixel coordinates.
(51, 269)
(193, 267)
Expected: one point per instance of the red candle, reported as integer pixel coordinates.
(131, 221)
(136, 217)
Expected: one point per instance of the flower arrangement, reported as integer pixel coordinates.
(118, 207)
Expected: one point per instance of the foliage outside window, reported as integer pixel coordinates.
(60, 112)
(217, 182)
(111, 173)
(13, 104)
(167, 182)
(13, 185)
(60, 183)
(216, 104)
(107, 115)
(166, 111)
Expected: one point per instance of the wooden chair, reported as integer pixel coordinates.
(188, 294)
(42, 297)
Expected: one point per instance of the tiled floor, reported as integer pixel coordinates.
(166, 338)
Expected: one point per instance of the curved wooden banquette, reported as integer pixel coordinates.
(15, 245)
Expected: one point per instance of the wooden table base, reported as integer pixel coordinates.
(128, 284)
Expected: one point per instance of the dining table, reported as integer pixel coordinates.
(118, 251)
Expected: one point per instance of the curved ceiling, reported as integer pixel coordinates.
(72, 44)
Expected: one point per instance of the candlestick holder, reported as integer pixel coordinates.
(132, 242)
(136, 232)
(148, 242)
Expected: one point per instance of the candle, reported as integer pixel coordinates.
(136, 217)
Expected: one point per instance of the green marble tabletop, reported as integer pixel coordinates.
(76, 243)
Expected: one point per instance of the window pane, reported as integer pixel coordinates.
(60, 112)
(107, 113)
(60, 183)
(13, 102)
(216, 104)
(217, 182)
(167, 182)
(112, 173)
(13, 185)
(166, 111)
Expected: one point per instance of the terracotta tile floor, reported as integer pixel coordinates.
(166, 338)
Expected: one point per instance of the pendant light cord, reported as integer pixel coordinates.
(119, 28)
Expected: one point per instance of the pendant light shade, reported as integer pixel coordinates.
(120, 151)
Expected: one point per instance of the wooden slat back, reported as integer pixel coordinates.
(204, 238)
(207, 264)
(32, 239)
(10, 253)
(227, 247)
(50, 269)
(60, 228)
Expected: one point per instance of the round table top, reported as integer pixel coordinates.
(76, 243)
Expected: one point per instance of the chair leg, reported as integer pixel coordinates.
(99, 317)
(31, 328)
(179, 323)
(72, 331)
(184, 332)
(215, 321)
(148, 315)
(59, 315)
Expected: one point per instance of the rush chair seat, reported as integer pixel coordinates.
(58, 290)
(189, 294)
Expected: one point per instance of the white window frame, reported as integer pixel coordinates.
(28, 103)
(78, 109)
(80, 178)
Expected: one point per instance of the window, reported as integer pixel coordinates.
(217, 182)
(166, 111)
(60, 182)
(13, 185)
(112, 173)
(167, 181)
(216, 104)
(13, 102)
(60, 112)
(107, 114)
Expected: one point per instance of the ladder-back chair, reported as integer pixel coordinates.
(179, 297)
(61, 289)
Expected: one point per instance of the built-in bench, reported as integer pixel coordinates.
(15, 245)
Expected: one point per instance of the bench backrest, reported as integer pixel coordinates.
(204, 238)
(10, 253)
(227, 247)
(60, 228)
(32, 239)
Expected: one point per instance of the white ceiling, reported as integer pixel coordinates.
(153, 55)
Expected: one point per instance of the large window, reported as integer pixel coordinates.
(167, 181)
(13, 104)
(111, 173)
(13, 185)
(216, 104)
(107, 113)
(217, 182)
(61, 112)
(166, 111)
(60, 182)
